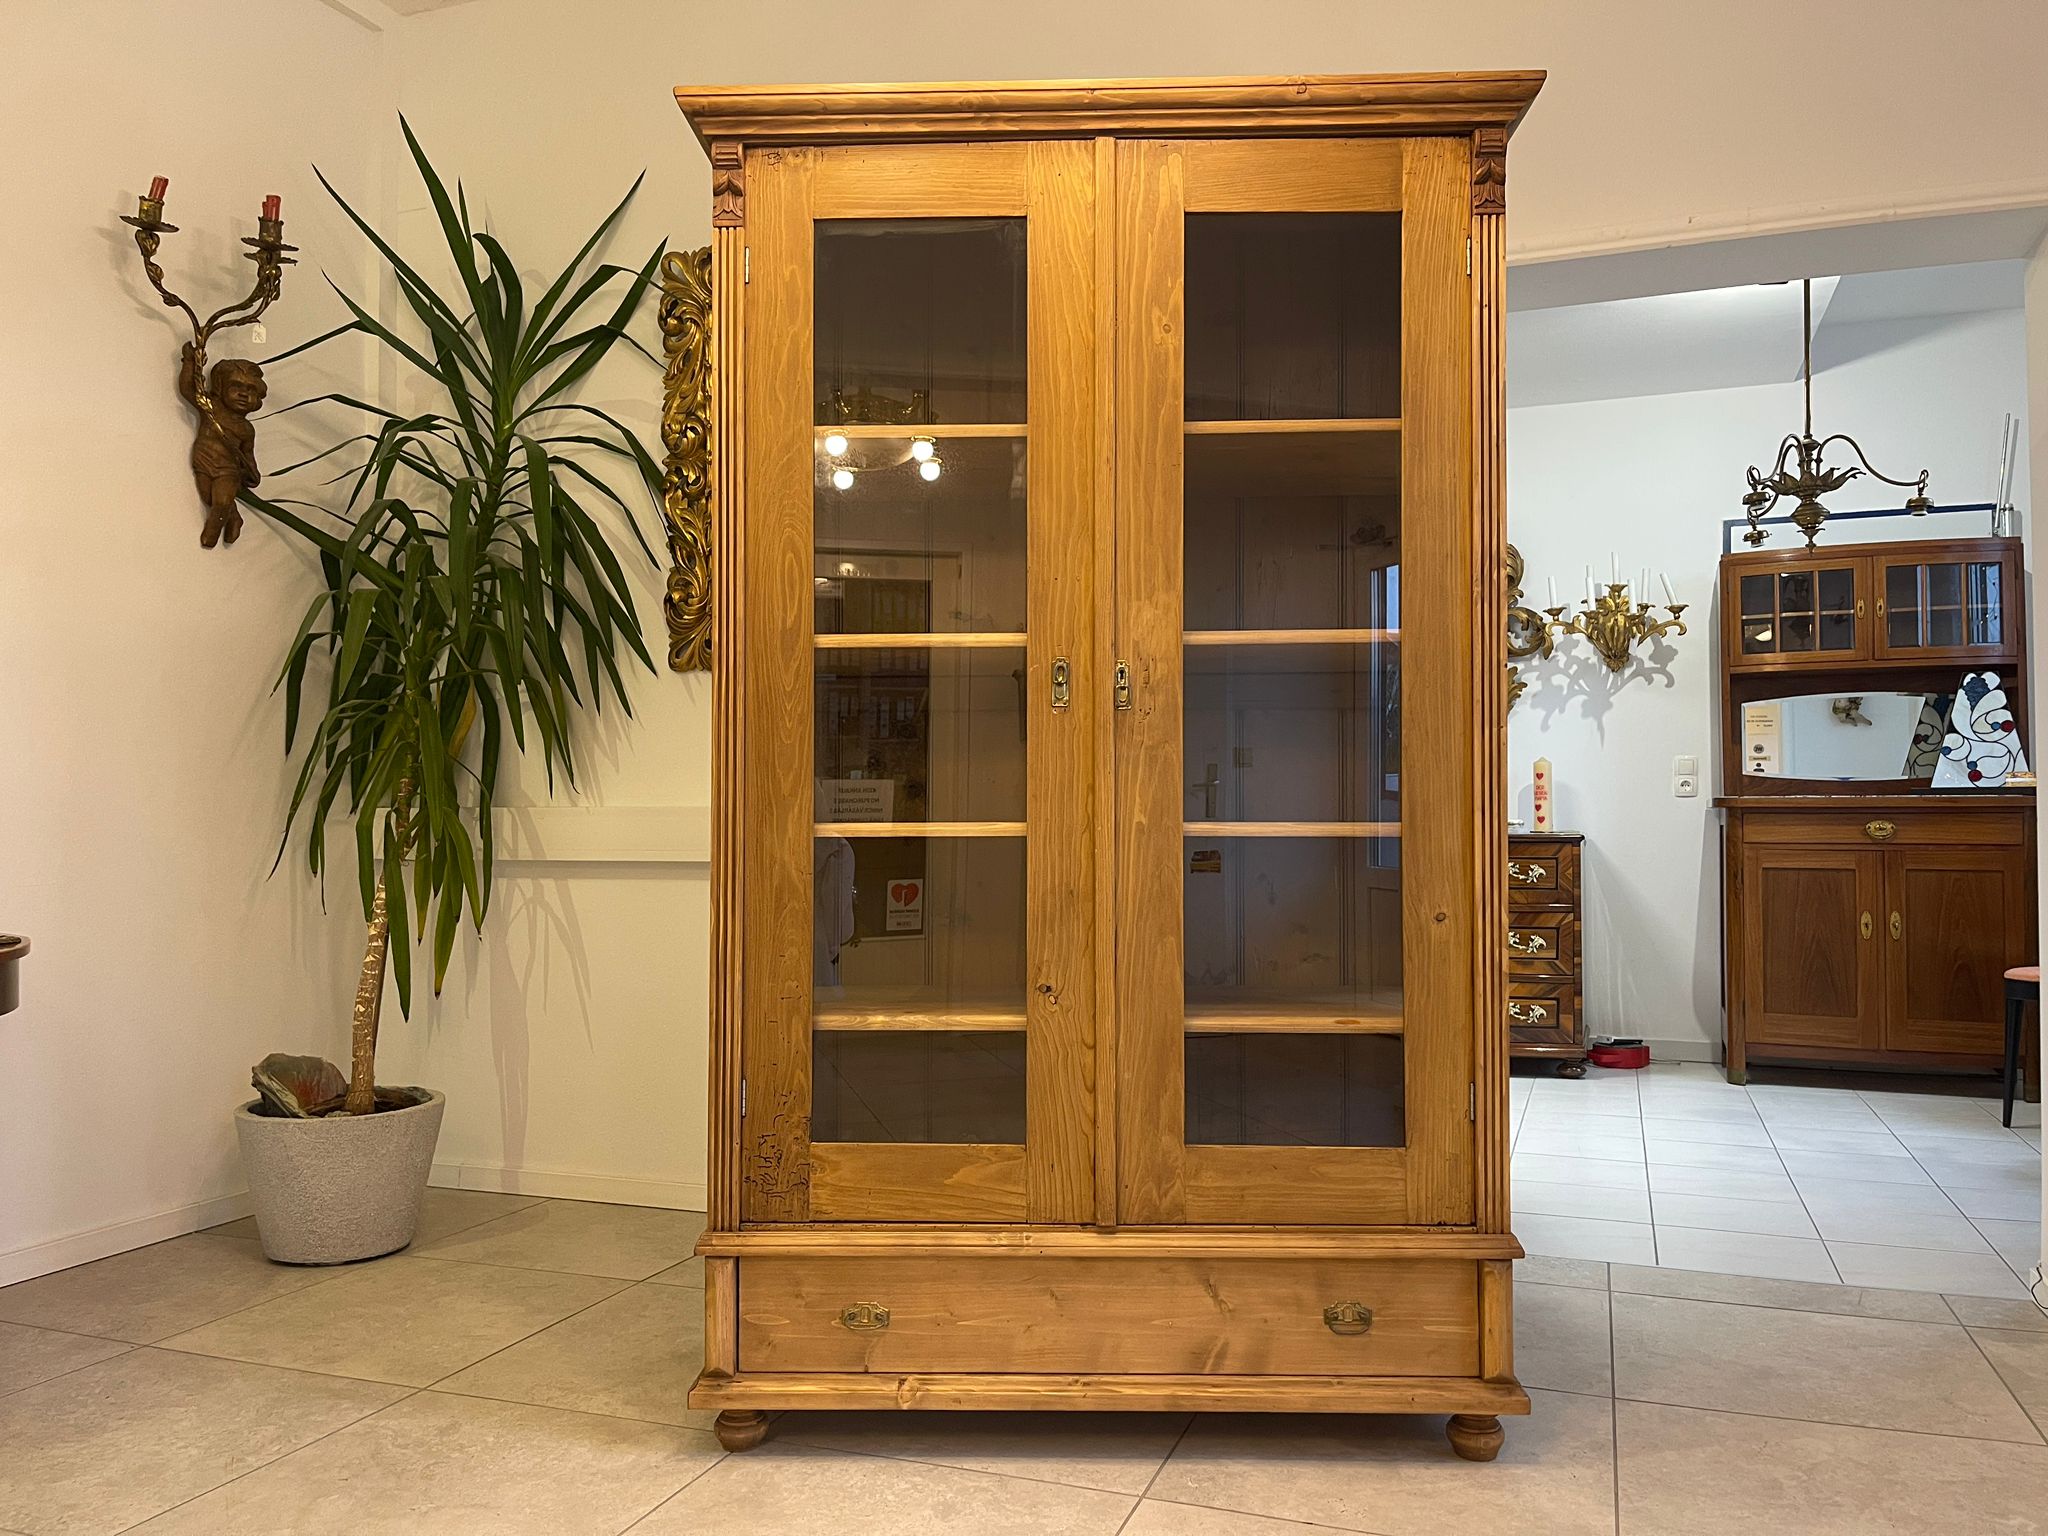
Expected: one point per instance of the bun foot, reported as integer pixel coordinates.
(1474, 1436)
(741, 1429)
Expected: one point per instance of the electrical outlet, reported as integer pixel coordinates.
(1685, 785)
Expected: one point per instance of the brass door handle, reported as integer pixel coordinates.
(1898, 927)
(1525, 874)
(865, 1317)
(1347, 1317)
(1527, 1013)
(1864, 925)
(1062, 682)
(1527, 943)
(1878, 831)
(1859, 607)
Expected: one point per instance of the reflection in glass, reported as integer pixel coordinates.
(1292, 732)
(917, 923)
(1756, 598)
(1314, 1090)
(920, 734)
(1845, 737)
(918, 1085)
(1293, 316)
(1290, 925)
(1292, 562)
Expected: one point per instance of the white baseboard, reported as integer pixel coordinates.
(609, 1188)
(1692, 1048)
(103, 1242)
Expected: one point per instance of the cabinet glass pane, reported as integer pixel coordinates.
(918, 1085)
(1902, 606)
(1837, 590)
(1323, 1090)
(1756, 597)
(920, 733)
(1292, 732)
(1796, 632)
(917, 924)
(1293, 316)
(1986, 599)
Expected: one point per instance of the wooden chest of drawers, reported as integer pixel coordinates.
(1545, 949)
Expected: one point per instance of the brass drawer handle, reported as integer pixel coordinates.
(1347, 1317)
(1525, 874)
(1864, 925)
(1878, 831)
(1527, 943)
(1527, 1013)
(865, 1317)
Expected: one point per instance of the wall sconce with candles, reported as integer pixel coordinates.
(224, 450)
(1613, 620)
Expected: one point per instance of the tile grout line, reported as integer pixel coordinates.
(1826, 1253)
(688, 1483)
(2000, 1375)
(125, 1349)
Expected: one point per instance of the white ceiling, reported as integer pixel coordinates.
(1723, 338)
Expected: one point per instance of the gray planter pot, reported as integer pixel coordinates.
(345, 1187)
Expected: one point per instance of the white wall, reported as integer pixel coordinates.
(1651, 479)
(2037, 440)
(141, 771)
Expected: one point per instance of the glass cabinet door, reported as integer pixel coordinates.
(1813, 613)
(921, 685)
(1293, 983)
(1943, 607)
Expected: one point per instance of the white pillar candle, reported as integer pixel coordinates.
(1666, 581)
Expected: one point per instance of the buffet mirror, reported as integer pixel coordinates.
(1844, 737)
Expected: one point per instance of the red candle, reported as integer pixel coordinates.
(158, 186)
(271, 205)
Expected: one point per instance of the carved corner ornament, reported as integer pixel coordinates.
(685, 314)
(728, 185)
(1490, 170)
(1528, 635)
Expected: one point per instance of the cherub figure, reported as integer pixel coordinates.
(224, 452)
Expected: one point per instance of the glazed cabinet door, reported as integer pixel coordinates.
(923, 683)
(1956, 919)
(1813, 964)
(1817, 610)
(1946, 605)
(1294, 764)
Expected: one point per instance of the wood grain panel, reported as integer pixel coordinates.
(1962, 921)
(1453, 844)
(898, 181)
(1234, 1317)
(1061, 806)
(916, 1181)
(777, 671)
(1293, 176)
(1149, 1393)
(1329, 1186)
(1150, 938)
(1028, 1244)
(1103, 548)
(1811, 977)
(1927, 825)
(721, 1316)
(1497, 1321)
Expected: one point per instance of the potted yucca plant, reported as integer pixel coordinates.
(467, 592)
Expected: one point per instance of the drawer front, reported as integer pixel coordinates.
(1543, 943)
(1542, 872)
(1111, 1316)
(1887, 829)
(1542, 1015)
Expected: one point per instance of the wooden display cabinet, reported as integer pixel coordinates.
(1870, 918)
(1109, 852)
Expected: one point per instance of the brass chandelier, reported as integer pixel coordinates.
(1812, 480)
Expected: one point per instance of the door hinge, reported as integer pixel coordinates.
(1468, 256)
(1471, 1101)
(743, 1098)
(747, 263)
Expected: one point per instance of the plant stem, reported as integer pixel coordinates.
(362, 1056)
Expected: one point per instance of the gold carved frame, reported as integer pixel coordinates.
(685, 315)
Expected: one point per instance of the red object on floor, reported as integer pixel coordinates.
(1618, 1053)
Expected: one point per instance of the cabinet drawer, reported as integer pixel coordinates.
(1886, 829)
(1109, 1316)
(1542, 1015)
(1540, 872)
(1543, 943)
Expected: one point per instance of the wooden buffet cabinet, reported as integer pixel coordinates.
(1109, 843)
(1868, 921)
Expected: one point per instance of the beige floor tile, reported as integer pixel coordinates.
(1156, 1517)
(1542, 1269)
(2017, 1242)
(688, 1273)
(1786, 1295)
(114, 1443)
(1989, 1312)
(1926, 1269)
(436, 1465)
(1873, 1372)
(1537, 1198)
(1584, 1237)
(1691, 1473)
(1727, 1213)
(30, 1355)
(782, 1489)
(1761, 1254)
(1398, 1477)
(2021, 1360)
(1561, 1339)
(1727, 1183)
(1598, 1172)
(444, 1213)
(150, 1293)
(579, 1237)
(1115, 1452)
(409, 1321)
(633, 1355)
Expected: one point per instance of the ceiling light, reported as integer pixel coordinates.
(835, 444)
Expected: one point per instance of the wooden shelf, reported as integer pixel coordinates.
(919, 829)
(963, 641)
(1206, 637)
(937, 432)
(936, 1017)
(1292, 829)
(1293, 458)
(1229, 1021)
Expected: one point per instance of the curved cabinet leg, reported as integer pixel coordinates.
(741, 1429)
(1474, 1436)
